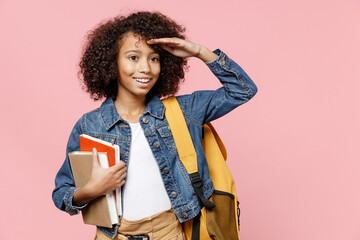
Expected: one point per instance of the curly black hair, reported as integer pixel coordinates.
(98, 66)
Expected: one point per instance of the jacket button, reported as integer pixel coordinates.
(156, 144)
(166, 170)
(145, 120)
(184, 215)
(173, 194)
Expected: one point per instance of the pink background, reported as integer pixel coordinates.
(295, 150)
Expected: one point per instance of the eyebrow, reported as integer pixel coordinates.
(138, 51)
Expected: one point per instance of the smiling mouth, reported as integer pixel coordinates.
(142, 80)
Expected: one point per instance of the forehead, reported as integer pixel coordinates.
(134, 42)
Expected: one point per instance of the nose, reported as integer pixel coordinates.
(144, 66)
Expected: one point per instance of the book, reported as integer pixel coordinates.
(87, 143)
(101, 211)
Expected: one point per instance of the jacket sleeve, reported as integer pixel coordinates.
(64, 182)
(238, 88)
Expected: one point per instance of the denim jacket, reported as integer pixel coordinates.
(199, 108)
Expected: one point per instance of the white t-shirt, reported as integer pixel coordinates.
(144, 193)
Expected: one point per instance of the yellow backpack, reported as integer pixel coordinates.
(219, 218)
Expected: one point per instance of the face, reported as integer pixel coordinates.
(139, 67)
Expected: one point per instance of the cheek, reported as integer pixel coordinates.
(157, 70)
(125, 69)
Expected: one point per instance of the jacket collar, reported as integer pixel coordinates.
(155, 108)
(110, 116)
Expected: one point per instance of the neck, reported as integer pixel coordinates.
(130, 108)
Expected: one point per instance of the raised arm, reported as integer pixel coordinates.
(237, 88)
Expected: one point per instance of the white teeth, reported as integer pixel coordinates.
(142, 80)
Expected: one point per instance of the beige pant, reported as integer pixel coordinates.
(161, 226)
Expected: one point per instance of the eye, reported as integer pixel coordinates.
(154, 59)
(133, 58)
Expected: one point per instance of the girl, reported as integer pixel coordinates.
(134, 61)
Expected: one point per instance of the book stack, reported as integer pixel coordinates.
(104, 210)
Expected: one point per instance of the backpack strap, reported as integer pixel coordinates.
(182, 138)
(185, 147)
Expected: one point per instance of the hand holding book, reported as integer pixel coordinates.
(101, 182)
(99, 174)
